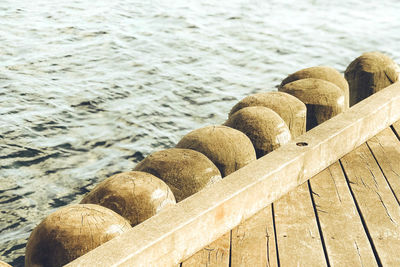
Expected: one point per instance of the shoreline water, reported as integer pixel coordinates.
(87, 92)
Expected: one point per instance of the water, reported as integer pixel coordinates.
(87, 89)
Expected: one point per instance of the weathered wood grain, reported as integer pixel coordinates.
(298, 239)
(369, 73)
(344, 236)
(172, 236)
(214, 255)
(386, 149)
(377, 204)
(253, 241)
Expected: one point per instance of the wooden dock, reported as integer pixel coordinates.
(347, 215)
(270, 213)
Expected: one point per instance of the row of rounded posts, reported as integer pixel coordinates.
(256, 125)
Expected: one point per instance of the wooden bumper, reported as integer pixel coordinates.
(173, 235)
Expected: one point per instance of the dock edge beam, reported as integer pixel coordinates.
(175, 234)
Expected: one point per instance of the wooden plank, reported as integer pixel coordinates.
(253, 241)
(344, 236)
(298, 239)
(396, 127)
(386, 149)
(172, 236)
(214, 255)
(376, 202)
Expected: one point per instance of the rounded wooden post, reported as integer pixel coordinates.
(288, 107)
(4, 264)
(228, 148)
(136, 196)
(185, 171)
(265, 128)
(324, 73)
(323, 99)
(70, 232)
(370, 73)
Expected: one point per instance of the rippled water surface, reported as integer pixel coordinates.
(87, 89)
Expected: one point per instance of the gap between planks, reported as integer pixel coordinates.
(376, 204)
(345, 239)
(385, 148)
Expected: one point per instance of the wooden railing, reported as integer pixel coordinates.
(175, 234)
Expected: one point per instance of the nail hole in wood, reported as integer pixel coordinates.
(301, 144)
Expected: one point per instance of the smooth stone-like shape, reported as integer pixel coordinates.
(228, 148)
(185, 171)
(323, 99)
(4, 264)
(265, 128)
(288, 107)
(136, 196)
(370, 73)
(325, 73)
(70, 232)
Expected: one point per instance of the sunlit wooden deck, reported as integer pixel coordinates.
(347, 215)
